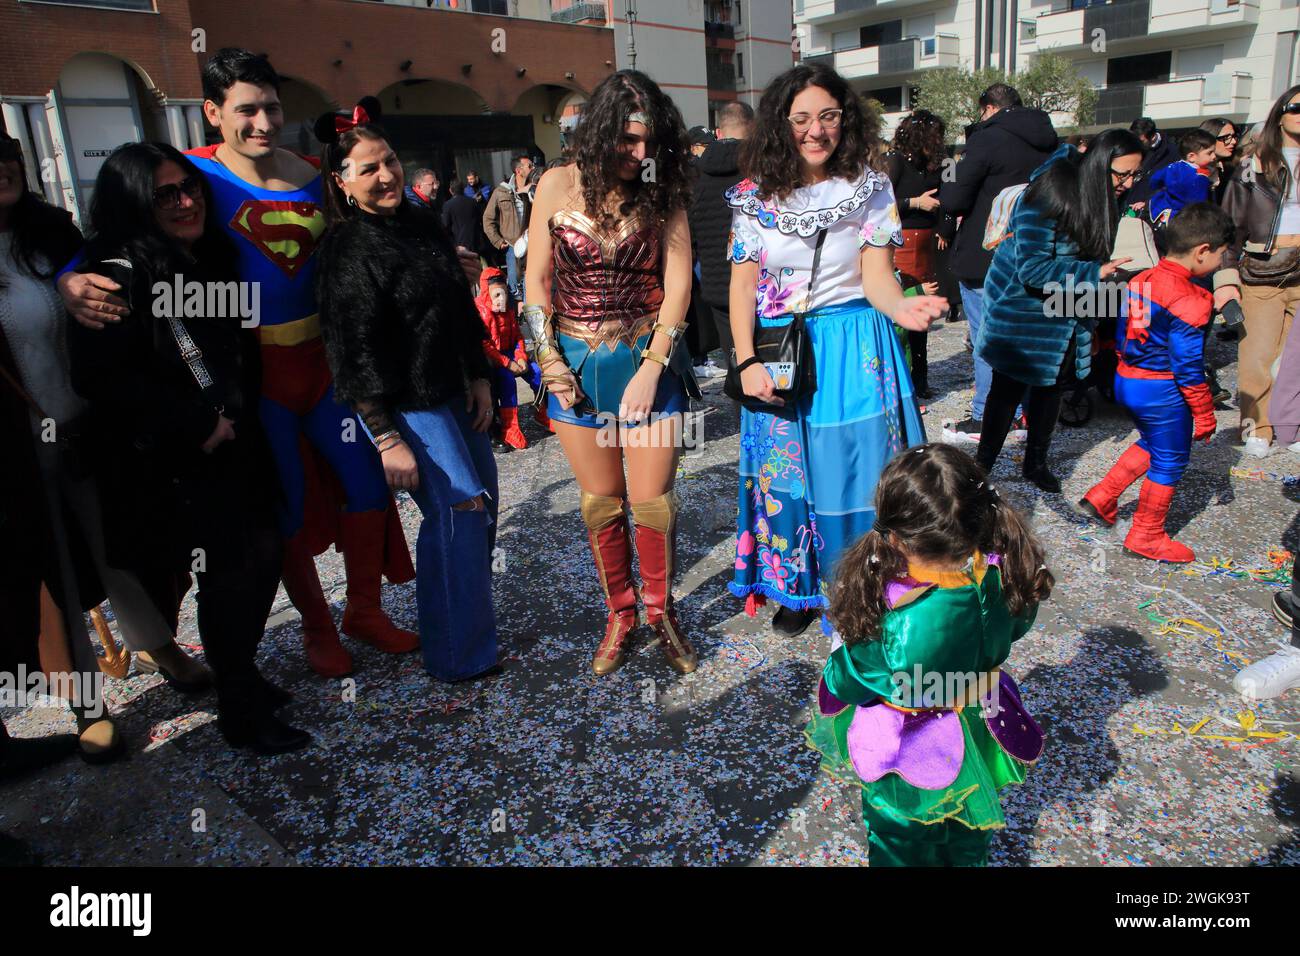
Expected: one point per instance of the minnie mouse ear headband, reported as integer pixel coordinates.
(330, 126)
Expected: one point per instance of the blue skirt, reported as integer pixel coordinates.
(604, 373)
(808, 473)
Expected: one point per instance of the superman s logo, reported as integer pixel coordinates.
(284, 232)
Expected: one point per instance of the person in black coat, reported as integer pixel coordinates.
(183, 464)
(1160, 152)
(710, 215)
(462, 217)
(405, 344)
(1002, 149)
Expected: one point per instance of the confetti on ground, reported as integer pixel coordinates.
(1151, 758)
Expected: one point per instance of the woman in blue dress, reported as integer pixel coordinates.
(808, 471)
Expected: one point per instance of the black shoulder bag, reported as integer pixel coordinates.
(785, 351)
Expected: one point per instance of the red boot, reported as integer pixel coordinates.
(1147, 536)
(326, 656)
(656, 524)
(611, 546)
(543, 419)
(510, 428)
(1102, 499)
(361, 538)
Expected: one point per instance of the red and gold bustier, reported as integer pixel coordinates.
(608, 282)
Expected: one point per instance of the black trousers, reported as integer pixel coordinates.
(237, 583)
(917, 343)
(1295, 594)
(1042, 405)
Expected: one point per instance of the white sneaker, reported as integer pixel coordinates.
(1258, 447)
(710, 370)
(1271, 676)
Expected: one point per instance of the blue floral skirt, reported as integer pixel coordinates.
(808, 473)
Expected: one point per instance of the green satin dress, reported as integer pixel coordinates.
(930, 788)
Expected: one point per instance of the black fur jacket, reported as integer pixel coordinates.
(400, 327)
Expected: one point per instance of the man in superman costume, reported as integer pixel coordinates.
(333, 481)
(1161, 379)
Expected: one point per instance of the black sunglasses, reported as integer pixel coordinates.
(1291, 108)
(169, 196)
(1136, 175)
(1227, 136)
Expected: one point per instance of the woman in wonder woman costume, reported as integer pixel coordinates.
(608, 285)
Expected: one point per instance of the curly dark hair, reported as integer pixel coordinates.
(770, 157)
(940, 506)
(594, 148)
(919, 140)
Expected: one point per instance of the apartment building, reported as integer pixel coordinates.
(1177, 61)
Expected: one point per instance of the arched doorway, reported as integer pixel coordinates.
(103, 102)
(545, 106)
(449, 128)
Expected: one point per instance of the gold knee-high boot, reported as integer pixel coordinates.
(656, 538)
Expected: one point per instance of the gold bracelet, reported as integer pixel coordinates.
(654, 357)
(672, 331)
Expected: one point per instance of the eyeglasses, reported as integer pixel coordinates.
(169, 196)
(802, 122)
(1226, 137)
(1135, 176)
(1291, 109)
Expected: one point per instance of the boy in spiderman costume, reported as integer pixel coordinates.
(505, 351)
(1161, 379)
(332, 479)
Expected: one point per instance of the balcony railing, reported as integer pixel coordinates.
(1174, 101)
(902, 56)
(721, 31)
(721, 76)
(580, 13)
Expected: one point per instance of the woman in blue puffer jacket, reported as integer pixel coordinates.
(1037, 331)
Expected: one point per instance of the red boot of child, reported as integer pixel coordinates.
(542, 418)
(1102, 499)
(510, 432)
(1147, 537)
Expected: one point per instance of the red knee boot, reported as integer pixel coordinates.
(656, 526)
(511, 434)
(1147, 537)
(1102, 499)
(361, 538)
(320, 639)
(543, 419)
(611, 547)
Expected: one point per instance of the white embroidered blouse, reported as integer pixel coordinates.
(781, 238)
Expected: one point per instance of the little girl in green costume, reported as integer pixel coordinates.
(913, 703)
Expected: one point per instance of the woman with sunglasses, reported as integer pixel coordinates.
(183, 465)
(35, 239)
(1226, 141)
(1262, 266)
(1059, 239)
(814, 226)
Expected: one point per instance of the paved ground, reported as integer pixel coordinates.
(1149, 757)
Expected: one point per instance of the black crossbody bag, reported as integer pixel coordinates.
(785, 351)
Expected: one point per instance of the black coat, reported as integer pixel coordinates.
(1156, 158)
(710, 218)
(162, 494)
(399, 323)
(463, 219)
(1001, 151)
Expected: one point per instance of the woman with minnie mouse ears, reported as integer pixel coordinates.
(403, 338)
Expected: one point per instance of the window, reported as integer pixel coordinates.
(891, 98)
(740, 66)
(1142, 68)
(881, 33)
